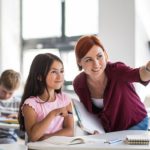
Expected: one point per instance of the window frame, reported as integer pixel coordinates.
(62, 43)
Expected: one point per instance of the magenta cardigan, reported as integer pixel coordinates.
(122, 106)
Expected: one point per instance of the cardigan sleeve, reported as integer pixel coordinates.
(122, 72)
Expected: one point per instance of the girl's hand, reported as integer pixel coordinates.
(60, 111)
(63, 111)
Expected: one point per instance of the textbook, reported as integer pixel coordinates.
(141, 139)
(63, 140)
(8, 120)
(87, 121)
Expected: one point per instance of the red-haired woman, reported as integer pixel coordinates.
(106, 88)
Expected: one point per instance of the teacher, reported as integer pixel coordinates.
(106, 88)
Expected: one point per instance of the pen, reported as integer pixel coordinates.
(113, 141)
(70, 113)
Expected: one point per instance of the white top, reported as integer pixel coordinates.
(98, 102)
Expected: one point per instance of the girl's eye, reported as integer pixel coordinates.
(53, 72)
(57, 72)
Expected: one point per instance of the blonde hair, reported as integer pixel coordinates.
(10, 79)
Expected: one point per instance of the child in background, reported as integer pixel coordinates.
(9, 104)
(45, 111)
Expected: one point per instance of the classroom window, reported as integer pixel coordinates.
(57, 25)
(81, 17)
(41, 18)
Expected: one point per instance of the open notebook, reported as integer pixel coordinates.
(88, 122)
(63, 140)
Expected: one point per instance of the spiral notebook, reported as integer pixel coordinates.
(143, 139)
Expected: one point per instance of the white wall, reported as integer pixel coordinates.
(142, 28)
(116, 29)
(125, 34)
(10, 35)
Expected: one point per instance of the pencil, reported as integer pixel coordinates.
(70, 113)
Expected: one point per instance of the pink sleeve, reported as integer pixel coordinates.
(32, 103)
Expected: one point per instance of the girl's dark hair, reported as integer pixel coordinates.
(36, 81)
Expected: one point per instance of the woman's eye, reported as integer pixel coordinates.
(88, 60)
(62, 71)
(99, 56)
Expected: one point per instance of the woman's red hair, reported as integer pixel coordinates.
(84, 44)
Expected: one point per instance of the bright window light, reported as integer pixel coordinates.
(41, 18)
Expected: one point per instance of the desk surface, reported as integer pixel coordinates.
(13, 147)
(98, 145)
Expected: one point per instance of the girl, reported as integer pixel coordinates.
(44, 109)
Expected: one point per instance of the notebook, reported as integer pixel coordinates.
(143, 139)
(62, 140)
(87, 121)
(8, 120)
